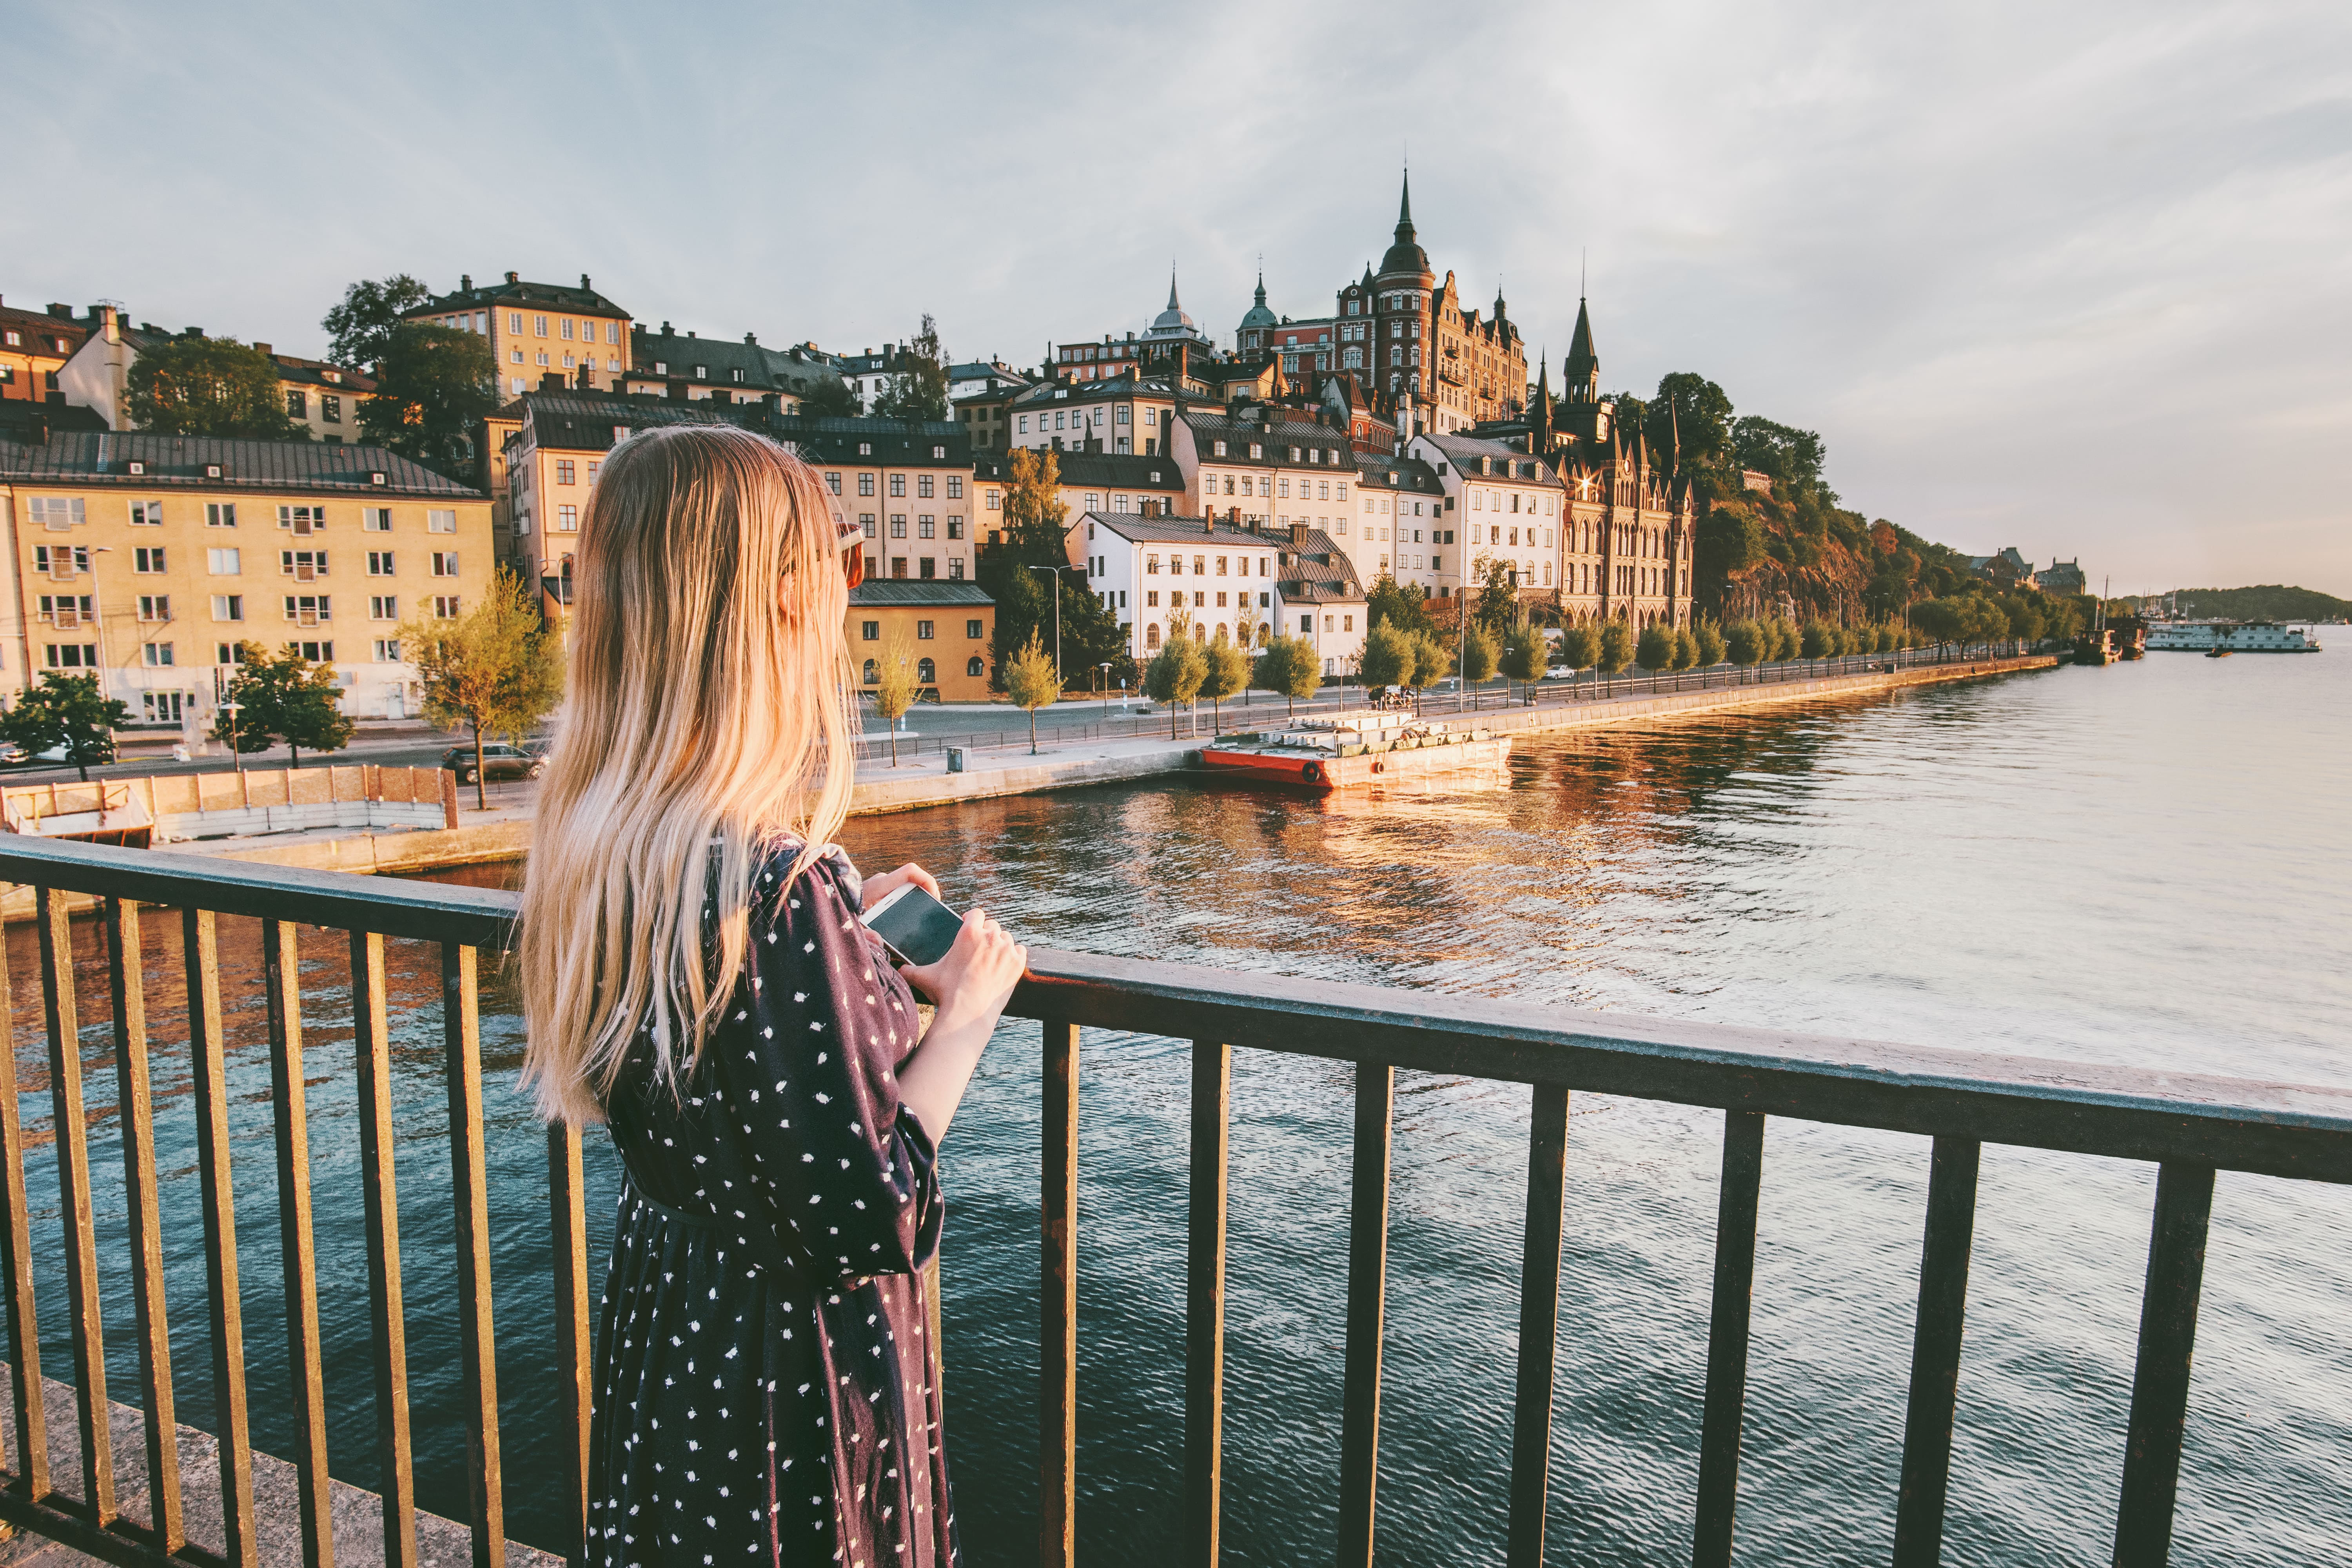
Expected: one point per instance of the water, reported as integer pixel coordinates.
(2141, 865)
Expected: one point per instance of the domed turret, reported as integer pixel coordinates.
(1406, 261)
(1258, 315)
(1173, 322)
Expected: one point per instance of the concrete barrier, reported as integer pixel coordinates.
(258, 800)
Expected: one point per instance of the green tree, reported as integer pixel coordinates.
(895, 686)
(1711, 644)
(1616, 648)
(1654, 650)
(825, 395)
(1686, 648)
(1433, 661)
(284, 695)
(1792, 458)
(360, 329)
(1498, 601)
(919, 389)
(212, 387)
(1745, 643)
(1482, 655)
(1388, 655)
(1579, 646)
(1787, 641)
(65, 710)
(1176, 672)
(497, 669)
(1228, 674)
(433, 386)
(1819, 640)
(1035, 533)
(1402, 604)
(1701, 417)
(1032, 681)
(1289, 665)
(1526, 656)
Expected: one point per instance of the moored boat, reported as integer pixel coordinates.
(2230, 636)
(1350, 749)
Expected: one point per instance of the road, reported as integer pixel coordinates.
(414, 749)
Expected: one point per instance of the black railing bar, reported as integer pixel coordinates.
(69, 1123)
(1057, 1296)
(2167, 1336)
(1205, 1303)
(1538, 1324)
(1716, 1500)
(31, 1460)
(461, 1034)
(126, 985)
(297, 1251)
(379, 1202)
(434, 911)
(1368, 1258)
(2288, 1130)
(200, 946)
(1936, 1353)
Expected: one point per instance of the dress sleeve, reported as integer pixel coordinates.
(821, 1027)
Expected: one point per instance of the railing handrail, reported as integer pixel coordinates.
(2300, 1130)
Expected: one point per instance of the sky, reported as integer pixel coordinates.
(2075, 279)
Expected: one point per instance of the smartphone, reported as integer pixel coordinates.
(913, 925)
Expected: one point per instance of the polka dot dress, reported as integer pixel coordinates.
(767, 1388)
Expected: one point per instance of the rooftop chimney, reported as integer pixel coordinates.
(514, 277)
(551, 382)
(466, 282)
(584, 282)
(752, 339)
(62, 312)
(669, 331)
(261, 348)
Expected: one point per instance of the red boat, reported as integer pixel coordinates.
(1353, 748)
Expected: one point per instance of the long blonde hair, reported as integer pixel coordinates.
(708, 713)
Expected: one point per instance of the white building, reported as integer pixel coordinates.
(1234, 583)
(1399, 525)
(1266, 465)
(1502, 503)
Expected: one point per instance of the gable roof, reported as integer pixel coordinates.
(1465, 450)
(877, 592)
(86, 458)
(1105, 470)
(516, 291)
(1316, 571)
(1410, 474)
(1286, 431)
(1138, 530)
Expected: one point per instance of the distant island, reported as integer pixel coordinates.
(2272, 602)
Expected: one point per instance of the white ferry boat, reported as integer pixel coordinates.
(2229, 636)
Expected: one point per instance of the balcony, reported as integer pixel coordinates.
(1956, 1100)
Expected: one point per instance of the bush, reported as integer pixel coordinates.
(1616, 648)
(1818, 640)
(1686, 648)
(1710, 644)
(1580, 647)
(1656, 650)
(1787, 641)
(1746, 643)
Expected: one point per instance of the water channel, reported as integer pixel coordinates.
(2142, 865)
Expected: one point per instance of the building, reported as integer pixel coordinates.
(1127, 414)
(324, 397)
(1089, 481)
(1399, 528)
(869, 373)
(538, 328)
(146, 559)
(972, 377)
(1322, 600)
(1151, 570)
(907, 483)
(1261, 463)
(944, 627)
(666, 364)
(33, 349)
(2005, 569)
(2063, 577)
(1504, 505)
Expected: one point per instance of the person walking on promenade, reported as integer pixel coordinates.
(693, 974)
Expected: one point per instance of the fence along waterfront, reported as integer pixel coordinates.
(2190, 1126)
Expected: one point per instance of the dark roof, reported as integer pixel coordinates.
(1180, 530)
(1466, 451)
(318, 373)
(1109, 389)
(584, 421)
(1288, 431)
(791, 369)
(1375, 468)
(514, 291)
(63, 327)
(1109, 471)
(20, 415)
(307, 467)
(1318, 572)
(901, 443)
(876, 592)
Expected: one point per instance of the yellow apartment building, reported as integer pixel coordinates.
(944, 626)
(147, 559)
(538, 329)
(325, 397)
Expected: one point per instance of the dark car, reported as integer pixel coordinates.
(498, 761)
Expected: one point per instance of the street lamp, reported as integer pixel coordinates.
(235, 751)
(1057, 570)
(1105, 668)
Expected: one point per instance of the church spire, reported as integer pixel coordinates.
(1171, 287)
(1540, 440)
(1582, 371)
(1404, 209)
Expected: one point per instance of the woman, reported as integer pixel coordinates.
(693, 975)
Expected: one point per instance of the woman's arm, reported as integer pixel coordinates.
(970, 987)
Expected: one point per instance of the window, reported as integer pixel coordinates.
(147, 558)
(955, 487)
(301, 520)
(222, 514)
(155, 656)
(330, 409)
(865, 522)
(386, 650)
(926, 527)
(445, 563)
(870, 631)
(955, 527)
(564, 472)
(873, 672)
(444, 606)
(154, 607)
(146, 514)
(1152, 598)
(298, 406)
(955, 569)
(973, 629)
(440, 523)
(923, 630)
(229, 607)
(58, 512)
(383, 607)
(897, 525)
(567, 519)
(303, 564)
(865, 484)
(975, 666)
(316, 652)
(162, 707)
(538, 326)
(926, 672)
(994, 498)
(375, 519)
(73, 656)
(898, 485)
(308, 608)
(833, 483)
(222, 563)
(379, 563)
(923, 486)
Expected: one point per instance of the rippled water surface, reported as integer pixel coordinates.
(2140, 865)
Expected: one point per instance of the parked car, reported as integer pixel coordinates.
(499, 761)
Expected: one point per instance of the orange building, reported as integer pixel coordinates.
(35, 346)
(944, 626)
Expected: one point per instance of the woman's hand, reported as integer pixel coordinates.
(976, 978)
(876, 888)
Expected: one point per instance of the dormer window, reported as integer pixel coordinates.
(375, 478)
(938, 453)
(661, 367)
(212, 470)
(138, 468)
(865, 448)
(1256, 450)
(1220, 448)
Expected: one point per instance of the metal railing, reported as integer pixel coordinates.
(2191, 1126)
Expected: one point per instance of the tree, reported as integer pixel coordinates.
(359, 329)
(1289, 665)
(65, 710)
(1035, 533)
(1228, 672)
(1746, 643)
(1175, 674)
(1656, 650)
(433, 386)
(1701, 417)
(1432, 662)
(1032, 681)
(1686, 648)
(1402, 604)
(895, 686)
(1787, 641)
(1793, 458)
(826, 397)
(1819, 640)
(1579, 646)
(1526, 656)
(213, 388)
(1498, 600)
(1482, 654)
(284, 695)
(919, 389)
(1711, 644)
(1388, 655)
(497, 668)
(1616, 648)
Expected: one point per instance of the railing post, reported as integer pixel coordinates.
(461, 1026)
(2167, 1336)
(567, 1214)
(200, 950)
(282, 991)
(1538, 1324)
(71, 1125)
(1368, 1253)
(1935, 1351)
(1727, 1338)
(32, 1464)
(1057, 1422)
(1204, 1306)
(388, 1323)
(125, 969)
